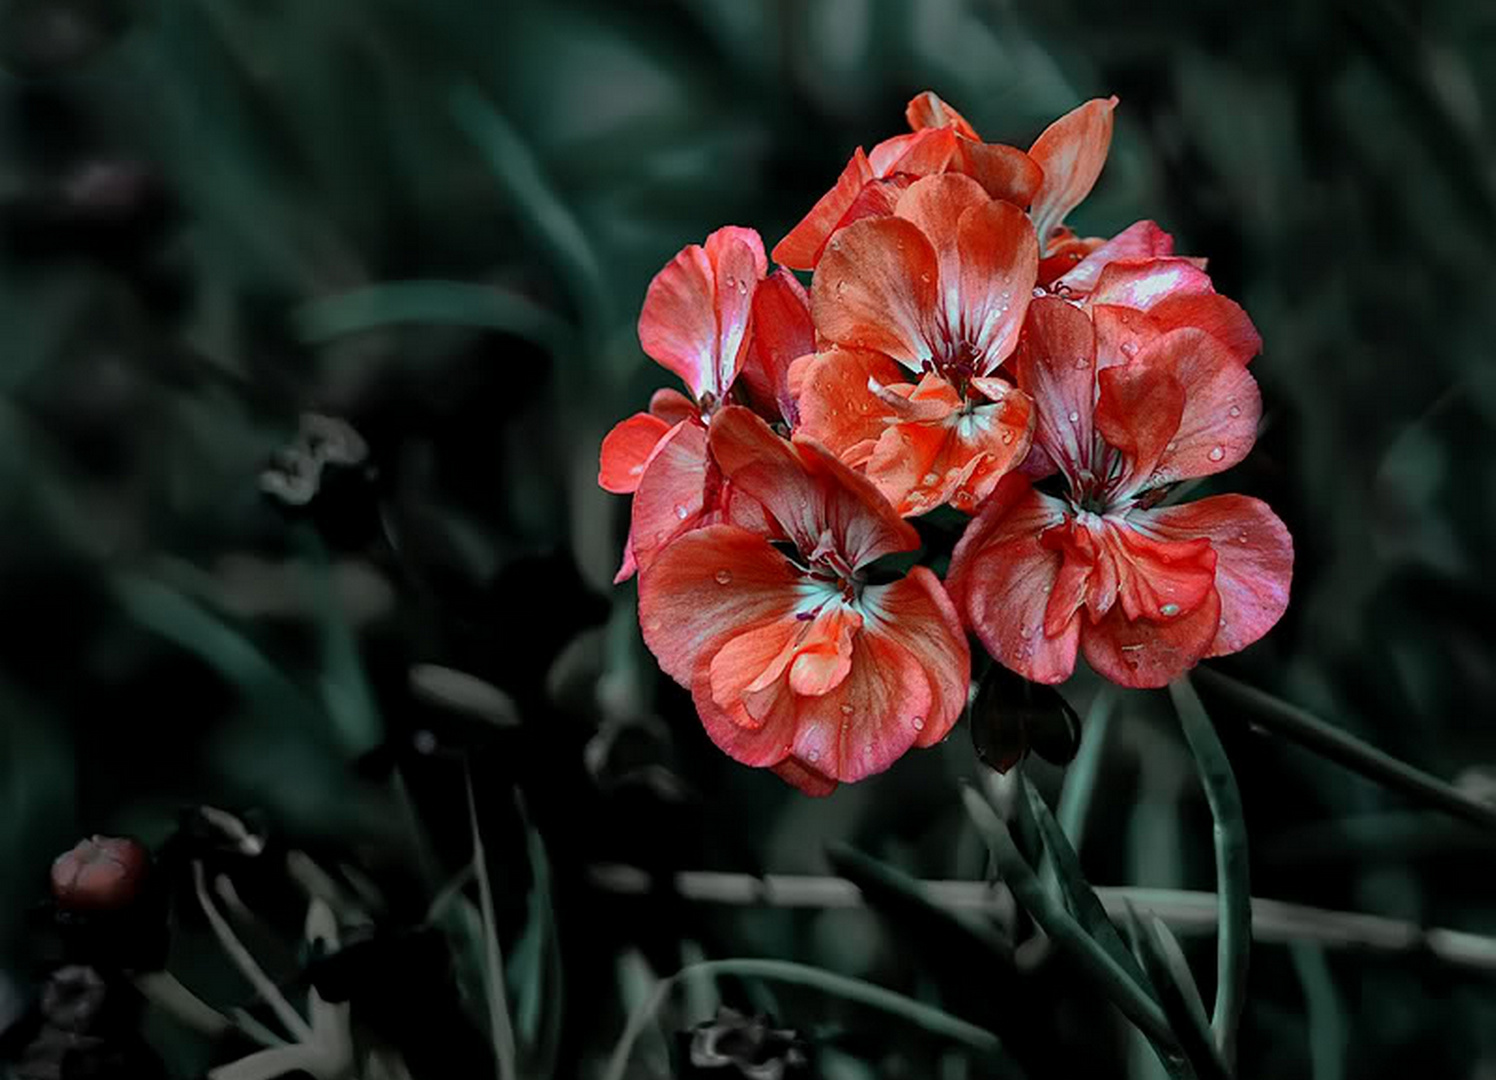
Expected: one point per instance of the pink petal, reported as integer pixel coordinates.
(921, 153)
(999, 264)
(782, 332)
(801, 248)
(1219, 316)
(1005, 172)
(1140, 240)
(1056, 365)
(1142, 283)
(927, 110)
(671, 496)
(1138, 409)
(837, 405)
(737, 257)
(625, 449)
(876, 287)
(672, 406)
(1001, 578)
(1145, 654)
(916, 614)
(1254, 560)
(1071, 152)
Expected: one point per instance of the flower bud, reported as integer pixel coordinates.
(104, 873)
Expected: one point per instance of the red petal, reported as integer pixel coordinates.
(936, 204)
(745, 671)
(1001, 578)
(1005, 172)
(737, 256)
(672, 406)
(782, 332)
(876, 288)
(837, 406)
(1254, 560)
(999, 263)
(708, 587)
(1146, 654)
(1121, 333)
(916, 614)
(801, 248)
(1219, 316)
(927, 110)
(1071, 152)
(670, 499)
(823, 657)
(1056, 365)
(625, 449)
(922, 153)
(1138, 411)
(810, 781)
(1158, 580)
(1218, 423)
(1143, 283)
(809, 492)
(1140, 240)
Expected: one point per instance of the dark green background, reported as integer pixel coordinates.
(436, 220)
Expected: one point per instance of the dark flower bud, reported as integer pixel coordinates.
(1012, 716)
(104, 873)
(750, 1047)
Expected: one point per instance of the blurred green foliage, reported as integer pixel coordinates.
(434, 220)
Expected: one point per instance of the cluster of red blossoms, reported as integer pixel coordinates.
(958, 346)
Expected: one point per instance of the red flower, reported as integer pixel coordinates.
(940, 140)
(940, 289)
(695, 322)
(796, 661)
(1071, 152)
(1145, 592)
(104, 873)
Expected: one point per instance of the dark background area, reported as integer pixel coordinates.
(434, 221)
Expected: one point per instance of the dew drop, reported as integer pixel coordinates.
(1236, 410)
(1074, 417)
(931, 478)
(1169, 610)
(812, 755)
(846, 709)
(635, 470)
(1172, 446)
(1218, 453)
(925, 278)
(841, 286)
(682, 512)
(1005, 296)
(723, 576)
(652, 625)
(1007, 437)
(919, 723)
(1024, 632)
(1039, 292)
(1129, 347)
(1081, 363)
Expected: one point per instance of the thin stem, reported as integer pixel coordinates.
(246, 963)
(1080, 777)
(1185, 911)
(1324, 1018)
(842, 986)
(1329, 741)
(1233, 880)
(500, 1029)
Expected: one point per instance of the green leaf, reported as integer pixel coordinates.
(1324, 1015)
(1080, 777)
(535, 972)
(1164, 961)
(501, 1028)
(432, 303)
(1233, 876)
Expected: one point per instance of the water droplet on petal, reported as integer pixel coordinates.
(925, 278)
(812, 755)
(1081, 363)
(931, 478)
(1039, 291)
(919, 723)
(1169, 610)
(1007, 436)
(841, 286)
(635, 470)
(1074, 417)
(846, 709)
(1217, 453)
(682, 512)
(1172, 446)
(1129, 347)
(1024, 632)
(723, 576)
(1236, 410)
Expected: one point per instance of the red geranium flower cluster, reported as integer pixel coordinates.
(958, 346)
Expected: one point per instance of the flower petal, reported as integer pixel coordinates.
(801, 248)
(823, 657)
(810, 781)
(671, 497)
(1001, 578)
(672, 406)
(1218, 423)
(936, 204)
(1219, 316)
(807, 490)
(838, 405)
(927, 110)
(710, 586)
(876, 287)
(1140, 240)
(916, 614)
(782, 332)
(1156, 579)
(750, 664)
(1138, 408)
(1005, 172)
(920, 153)
(1254, 560)
(625, 449)
(739, 263)
(999, 263)
(1142, 283)
(1146, 654)
(1056, 365)
(1071, 151)
(1121, 333)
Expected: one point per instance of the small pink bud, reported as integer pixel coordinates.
(103, 873)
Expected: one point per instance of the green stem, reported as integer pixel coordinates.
(1324, 1018)
(842, 986)
(1080, 778)
(1233, 877)
(1329, 741)
(501, 1030)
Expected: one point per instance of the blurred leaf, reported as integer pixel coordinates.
(464, 693)
(535, 972)
(1324, 1015)
(437, 303)
(1170, 974)
(501, 1028)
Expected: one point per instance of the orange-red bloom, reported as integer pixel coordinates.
(938, 289)
(797, 661)
(1143, 591)
(940, 140)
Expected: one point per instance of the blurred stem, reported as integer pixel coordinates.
(864, 993)
(501, 1031)
(1185, 911)
(1080, 778)
(1324, 1019)
(1329, 741)
(246, 963)
(1233, 874)
(163, 990)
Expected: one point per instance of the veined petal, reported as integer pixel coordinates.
(1138, 409)
(1254, 560)
(876, 287)
(1218, 422)
(1056, 365)
(678, 323)
(1005, 172)
(1001, 578)
(1121, 333)
(838, 404)
(920, 153)
(707, 588)
(671, 497)
(999, 263)
(1146, 654)
(936, 204)
(807, 490)
(750, 664)
(782, 332)
(739, 263)
(916, 614)
(625, 449)
(1156, 579)
(1219, 316)
(1142, 283)
(1140, 240)
(801, 248)
(928, 110)
(1071, 151)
